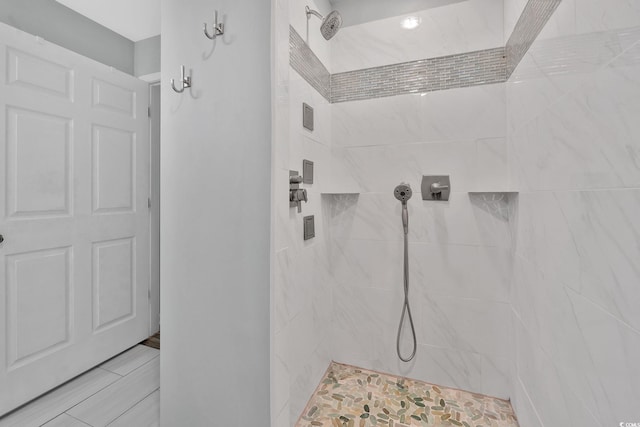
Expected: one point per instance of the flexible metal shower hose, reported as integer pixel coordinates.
(406, 309)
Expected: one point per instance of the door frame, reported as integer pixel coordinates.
(154, 202)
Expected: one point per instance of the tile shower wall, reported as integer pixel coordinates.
(459, 250)
(512, 296)
(460, 44)
(301, 282)
(532, 21)
(574, 145)
(455, 28)
(426, 75)
(305, 62)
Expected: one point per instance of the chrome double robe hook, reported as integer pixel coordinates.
(218, 28)
(186, 81)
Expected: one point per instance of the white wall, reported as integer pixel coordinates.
(302, 283)
(67, 28)
(573, 106)
(146, 58)
(216, 149)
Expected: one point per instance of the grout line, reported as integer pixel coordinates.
(526, 394)
(77, 419)
(110, 371)
(144, 364)
(416, 143)
(109, 385)
(601, 308)
(98, 391)
(101, 366)
(132, 407)
(566, 95)
(439, 295)
(64, 411)
(547, 353)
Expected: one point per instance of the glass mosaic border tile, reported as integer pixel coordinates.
(481, 67)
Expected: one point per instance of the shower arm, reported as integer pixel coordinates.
(313, 12)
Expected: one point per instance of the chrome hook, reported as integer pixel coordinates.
(186, 81)
(218, 28)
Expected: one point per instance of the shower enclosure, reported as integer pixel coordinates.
(511, 275)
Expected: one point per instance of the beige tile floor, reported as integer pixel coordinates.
(123, 391)
(354, 397)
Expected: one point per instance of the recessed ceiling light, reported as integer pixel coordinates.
(411, 22)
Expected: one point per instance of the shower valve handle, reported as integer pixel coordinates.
(298, 196)
(436, 188)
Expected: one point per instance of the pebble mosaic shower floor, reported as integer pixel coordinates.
(354, 397)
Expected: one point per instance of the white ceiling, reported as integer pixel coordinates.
(356, 12)
(140, 19)
(134, 19)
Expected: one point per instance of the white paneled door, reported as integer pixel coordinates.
(74, 174)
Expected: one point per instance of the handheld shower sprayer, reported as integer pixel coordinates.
(403, 193)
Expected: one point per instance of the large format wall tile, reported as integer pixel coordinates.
(381, 121)
(561, 23)
(460, 271)
(544, 237)
(452, 368)
(573, 151)
(594, 15)
(612, 348)
(588, 138)
(458, 27)
(471, 325)
(555, 403)
(453, 115)
(529, 93)
(380, 169)
(523, 407)
(301, 91)
(377, 216)
(512, 12)
(302, 281)
(606, 235)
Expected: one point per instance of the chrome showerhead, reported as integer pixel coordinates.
(403, 192)
(330, 24)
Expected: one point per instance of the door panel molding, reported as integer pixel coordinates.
(74, 168)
